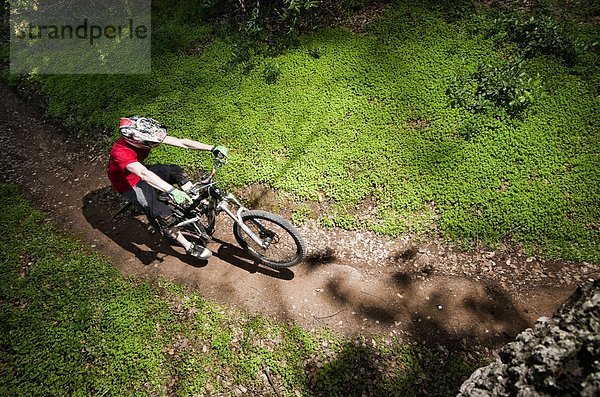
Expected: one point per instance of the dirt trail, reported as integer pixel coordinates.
(352, 282)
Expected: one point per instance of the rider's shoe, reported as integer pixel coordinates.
(199, 251)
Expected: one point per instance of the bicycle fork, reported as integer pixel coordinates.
(237, 217)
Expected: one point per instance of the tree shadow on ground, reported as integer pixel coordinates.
(127, 226)
(432, 309)
(446, 324)
(319, 258)
(476, 313)
(364, 368)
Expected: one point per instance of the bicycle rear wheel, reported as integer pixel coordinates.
(285, 246)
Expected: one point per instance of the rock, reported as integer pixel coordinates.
(559, 357)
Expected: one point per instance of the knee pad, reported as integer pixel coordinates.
(167, 229)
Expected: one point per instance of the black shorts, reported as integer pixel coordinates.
(147, 196)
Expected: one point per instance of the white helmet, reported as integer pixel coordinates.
(142, 131)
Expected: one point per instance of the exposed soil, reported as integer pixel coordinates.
(352, 282)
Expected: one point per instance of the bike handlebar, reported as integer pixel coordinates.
(219, 161)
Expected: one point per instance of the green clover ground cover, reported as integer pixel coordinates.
(70, 324)
(343, 118)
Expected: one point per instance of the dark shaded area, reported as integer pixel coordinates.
(366, 305)
(490, 306)
(335, 291)
(127, 225)
(495, 311)
(355, 371)
(362, 368)
(443, 356)
(405, 256)
(237, 257)
(472, 315)
(376, 312)
(402, 279)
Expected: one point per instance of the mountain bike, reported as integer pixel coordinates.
(264, 236)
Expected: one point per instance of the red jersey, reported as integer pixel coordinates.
(121, 155)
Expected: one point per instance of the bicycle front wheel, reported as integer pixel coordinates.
(284, 244)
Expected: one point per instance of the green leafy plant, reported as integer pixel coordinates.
(294, 10)
(503, 87)
(315, 52)
(271, 72)
(268, 27)
(301, 214)
(540, 34)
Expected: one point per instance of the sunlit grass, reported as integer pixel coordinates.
(366, 117)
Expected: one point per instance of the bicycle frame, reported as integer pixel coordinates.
(223, 206)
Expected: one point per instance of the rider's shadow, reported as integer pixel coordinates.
(237, 257)
(127, 225)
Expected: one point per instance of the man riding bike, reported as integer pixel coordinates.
(141, 185)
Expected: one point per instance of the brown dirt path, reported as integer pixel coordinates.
(352, 282)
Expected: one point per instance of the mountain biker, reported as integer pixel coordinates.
(140, 184)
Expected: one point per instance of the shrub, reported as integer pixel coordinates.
(502, 88)
(540, 35)
(177, 37)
